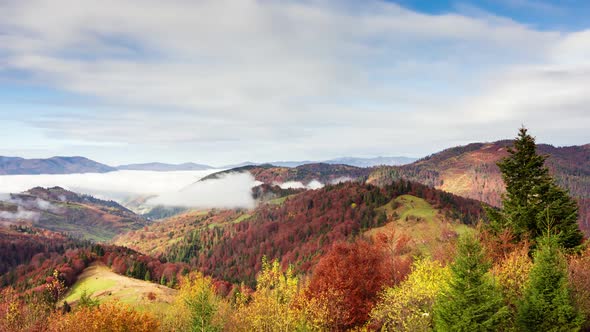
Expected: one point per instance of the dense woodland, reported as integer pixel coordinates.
(308, 264)
(303, 228)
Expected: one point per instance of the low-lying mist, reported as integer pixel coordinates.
(228, 191)
(178, 188)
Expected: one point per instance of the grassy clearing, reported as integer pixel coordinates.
(278, 201)
(235, 221)
(241, 218)
(103, 284)
(416, 218)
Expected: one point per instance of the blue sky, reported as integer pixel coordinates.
(220, 81)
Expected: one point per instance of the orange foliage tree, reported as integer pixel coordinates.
(114, 317)
(579, 274)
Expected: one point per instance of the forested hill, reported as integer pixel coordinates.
(60, 210)
(471, 171)
(323, 173)
(299, 228)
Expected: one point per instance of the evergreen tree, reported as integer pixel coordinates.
(533, 202)
(471, 302)
(547, 305)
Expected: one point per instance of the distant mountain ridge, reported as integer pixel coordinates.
(371, 162)
(350, 161)
(53, 165)
(77, 164)
(163, 167)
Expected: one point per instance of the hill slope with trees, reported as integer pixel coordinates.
(60, 210)
(471, 171)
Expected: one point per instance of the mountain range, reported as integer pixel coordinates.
(53, 165)
(351, 161)
(71, 165)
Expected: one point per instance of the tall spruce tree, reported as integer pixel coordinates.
(546, 305)
(471, 303)
(533, 203)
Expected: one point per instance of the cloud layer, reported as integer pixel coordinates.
(167, 188)
(228, 191)
(113, 184)
(236, 80)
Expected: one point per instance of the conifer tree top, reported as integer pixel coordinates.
(533, 203)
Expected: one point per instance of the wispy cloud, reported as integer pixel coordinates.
(20, 214)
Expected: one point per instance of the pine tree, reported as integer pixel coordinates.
(533, 202)
(471, 302)
(547, 305)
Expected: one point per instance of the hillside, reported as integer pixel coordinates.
(471, 171)
(297, 229)
(428, 228)
(19, 244)
(29, 256)
(54, 165)
(60, 210)
(104, 285)
(304, 174)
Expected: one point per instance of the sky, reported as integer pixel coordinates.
(224, 81)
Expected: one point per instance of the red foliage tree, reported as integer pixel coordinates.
(349, 278)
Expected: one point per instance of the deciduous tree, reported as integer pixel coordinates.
(409, 306)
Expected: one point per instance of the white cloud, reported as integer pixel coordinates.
(167, 188)
(37, 203)
(282, 80)
(313, 184)
(341, 180)
(113, 185)
(228, 191)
